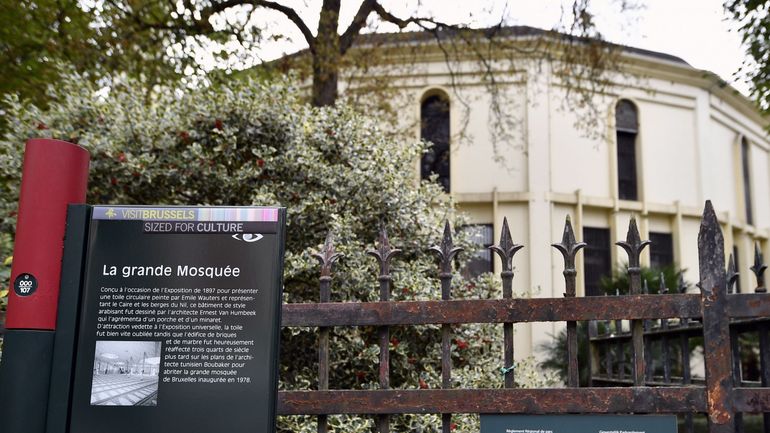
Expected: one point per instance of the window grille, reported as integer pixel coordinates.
(627, 129)
(746, 180)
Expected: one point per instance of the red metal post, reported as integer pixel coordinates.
(54, 174)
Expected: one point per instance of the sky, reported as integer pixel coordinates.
(694, 30)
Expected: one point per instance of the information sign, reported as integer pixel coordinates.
(179, 320)
(578, 423)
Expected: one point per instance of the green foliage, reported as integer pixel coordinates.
(6, 245)
(753, 23)
(556, 358)
(5, 277)
(35, 34)
(619, 282)
(39, 37)
(334, 170)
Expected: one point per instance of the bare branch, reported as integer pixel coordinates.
(387, 16)
(423, 22)
(359, 21)
(292, 15)
(203, 26)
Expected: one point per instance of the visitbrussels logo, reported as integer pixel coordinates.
(247, 237)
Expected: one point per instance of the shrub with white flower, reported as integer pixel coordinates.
(335, 170)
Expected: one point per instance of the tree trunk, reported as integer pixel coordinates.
(324, 83)
(326, 59)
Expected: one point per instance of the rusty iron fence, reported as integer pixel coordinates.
(668, 345)
(713, 314)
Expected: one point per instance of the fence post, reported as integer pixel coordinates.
(665, 348)
(594, 363)
(620, 346)
(609, 358)
(446, 252)
(758, 269)
(735, 343)
(648, 359)
(384, 254)
(634, 246)
(684, 345)
(506, 250)
(716, 324)
(569, 248)
(326, 257)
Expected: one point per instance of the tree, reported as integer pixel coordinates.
(160, 42)
(229, 31)
(42, 39)
(753, 19)
(182, 27)
(34, 35)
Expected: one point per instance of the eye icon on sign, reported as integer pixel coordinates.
(247, 237)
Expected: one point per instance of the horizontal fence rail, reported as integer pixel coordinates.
(535, 401)
(514, 310)
(663, 400)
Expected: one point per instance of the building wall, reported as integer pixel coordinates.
(687, 151)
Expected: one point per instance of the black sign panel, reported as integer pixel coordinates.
(578, 423)
(179, 321)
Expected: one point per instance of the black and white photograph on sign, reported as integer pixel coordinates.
(126, 373)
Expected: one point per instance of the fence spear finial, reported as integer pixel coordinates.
(662, 289)
(633, 245)
(327, 256)
(384, 253)
(681, 284)
(569, 248)
(759, 269)
(506, 248)
(711, 252)
(446, 250)
(732, 275)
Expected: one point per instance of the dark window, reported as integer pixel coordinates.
(746, 180)
(627, 128)
(481, 261)
(661, 250)
(596, 258)
(434, 127)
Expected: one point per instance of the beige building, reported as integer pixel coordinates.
(669, 138)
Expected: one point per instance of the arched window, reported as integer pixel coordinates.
(627, 128)
(745, 164)
(434, 127)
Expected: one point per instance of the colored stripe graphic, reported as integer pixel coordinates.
(173, 213)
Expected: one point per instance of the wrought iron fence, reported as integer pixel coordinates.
(713, 313)
(672, 342)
